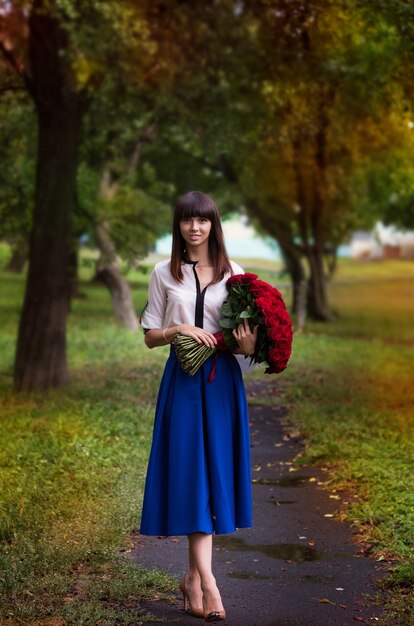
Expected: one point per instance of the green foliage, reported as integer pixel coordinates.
(17, 172)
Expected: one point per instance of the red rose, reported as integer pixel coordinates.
(236, 279)
(273, 333)
(249, 277)
(242, 279)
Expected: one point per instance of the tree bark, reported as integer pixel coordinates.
(318, 304)
(311, 203)
(41, 345)
(296, 272)
(107, 270)
(317, 295)
(109, 273)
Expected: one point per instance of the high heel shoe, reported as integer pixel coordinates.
(197, 612)
(215, 616)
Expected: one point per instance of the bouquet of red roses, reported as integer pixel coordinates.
(262, 305)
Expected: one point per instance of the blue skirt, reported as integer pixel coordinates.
(199, 477)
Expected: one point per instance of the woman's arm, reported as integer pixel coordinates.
(163, 336)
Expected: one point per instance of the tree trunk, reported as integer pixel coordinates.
(41, 345)
(107, 270)
(296, 272)
(109, 273)
(317, 296)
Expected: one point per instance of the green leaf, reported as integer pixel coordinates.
(226, 309)
(227, 323)
(244, 314)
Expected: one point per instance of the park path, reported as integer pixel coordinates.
(298, 565)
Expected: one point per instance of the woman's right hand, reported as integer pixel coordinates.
(199, 334)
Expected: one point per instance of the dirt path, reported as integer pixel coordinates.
(298, 565)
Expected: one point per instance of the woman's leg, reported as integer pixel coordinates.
(192, 579)
(200, 561)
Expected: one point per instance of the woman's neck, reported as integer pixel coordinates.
(199, 255)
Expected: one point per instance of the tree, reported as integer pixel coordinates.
(321, 115)
(51, 47)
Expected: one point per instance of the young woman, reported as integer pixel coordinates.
(198, 481)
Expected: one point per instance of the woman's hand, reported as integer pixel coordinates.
(246, 338)
(199, 334)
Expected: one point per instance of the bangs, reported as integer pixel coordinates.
(196, 204)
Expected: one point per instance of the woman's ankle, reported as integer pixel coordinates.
(193, 576)
(208, 583)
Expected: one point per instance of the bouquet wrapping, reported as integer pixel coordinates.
(263, 305)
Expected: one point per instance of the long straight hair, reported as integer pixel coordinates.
(199, 204)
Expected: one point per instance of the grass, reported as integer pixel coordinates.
(72, 466)
(72, 463)
(349, 389)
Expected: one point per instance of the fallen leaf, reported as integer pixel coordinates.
(335, 497)
(326, 601)
(312, 479)
(328, 515)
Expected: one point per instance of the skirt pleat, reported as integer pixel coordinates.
(199, 477)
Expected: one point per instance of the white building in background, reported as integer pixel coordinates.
(383, 242)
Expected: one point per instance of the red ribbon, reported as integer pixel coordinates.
(221, 347)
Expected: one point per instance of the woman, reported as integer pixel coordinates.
(198, 480)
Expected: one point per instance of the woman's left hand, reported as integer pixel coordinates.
(245, 337)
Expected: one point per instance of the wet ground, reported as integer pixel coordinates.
(298, 565)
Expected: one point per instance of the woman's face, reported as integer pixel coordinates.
(195, 230)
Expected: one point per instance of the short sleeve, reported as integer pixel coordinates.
(237, 269)
(154, 311)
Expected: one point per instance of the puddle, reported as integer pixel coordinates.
(248, 576)
(314, 578)
(282, 551)
(278, 502)
(286, 481)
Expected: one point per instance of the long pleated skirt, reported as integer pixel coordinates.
(199, 476)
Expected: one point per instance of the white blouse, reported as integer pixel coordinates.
(171, 303)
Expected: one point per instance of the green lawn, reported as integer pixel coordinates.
(73, 462)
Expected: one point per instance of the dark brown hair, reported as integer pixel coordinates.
(199, 204)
